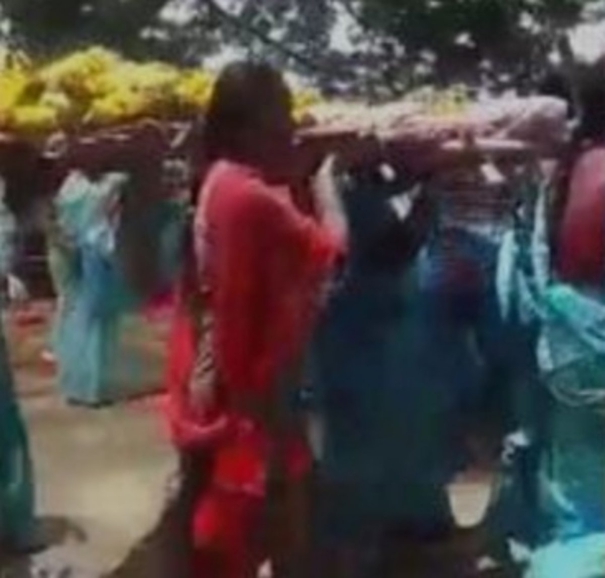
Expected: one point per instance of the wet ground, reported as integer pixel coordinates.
(102, 477)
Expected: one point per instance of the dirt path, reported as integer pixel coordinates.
(102, 479)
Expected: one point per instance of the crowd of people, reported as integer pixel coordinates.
(351, 330)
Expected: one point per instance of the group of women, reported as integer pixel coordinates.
(345, 331)
(79, 200)
(334, 293)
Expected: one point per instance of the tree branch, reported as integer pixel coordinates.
(233, 20)
(348, 8)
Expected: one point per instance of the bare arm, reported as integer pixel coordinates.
(329, 204)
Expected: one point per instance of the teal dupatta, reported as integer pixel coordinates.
(16, 475)
(564, 488)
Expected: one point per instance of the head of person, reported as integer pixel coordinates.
(554, 83)
(591, 96)
(249, 118)
(585, 95)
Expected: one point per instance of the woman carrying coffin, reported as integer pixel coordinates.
(250, 297)
(551, 278)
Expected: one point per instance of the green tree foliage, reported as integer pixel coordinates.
(460, 37)
(54, 25)
(396, 43)
(393, 42)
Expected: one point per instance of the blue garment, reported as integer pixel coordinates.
(459, 296)
(452, 361)
(461, 325)
(578, 558)
(96, 364)
(383, 449)
(16, 475)
(565, 494)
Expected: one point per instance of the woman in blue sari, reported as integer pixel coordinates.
(368, 414)
(116, 245)
(17, 524)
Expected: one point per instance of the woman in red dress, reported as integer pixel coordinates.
(250, 298)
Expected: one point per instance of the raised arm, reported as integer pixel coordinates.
(328, 202)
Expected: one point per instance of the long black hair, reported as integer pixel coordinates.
(241, 95)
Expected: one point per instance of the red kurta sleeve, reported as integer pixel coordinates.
(270, 268)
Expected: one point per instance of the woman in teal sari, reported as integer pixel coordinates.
(551, 286)
(114, 246)
(16, 475)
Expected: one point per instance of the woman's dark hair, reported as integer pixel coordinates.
(243, 91)
(554, 83)
(591, 96)
(589, 109)
(241, 94)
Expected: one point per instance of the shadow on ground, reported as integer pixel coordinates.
(53, 533)
(153, 557)
(150, 558)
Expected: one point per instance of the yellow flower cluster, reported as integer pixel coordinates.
(304, 101)
(97, 88)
